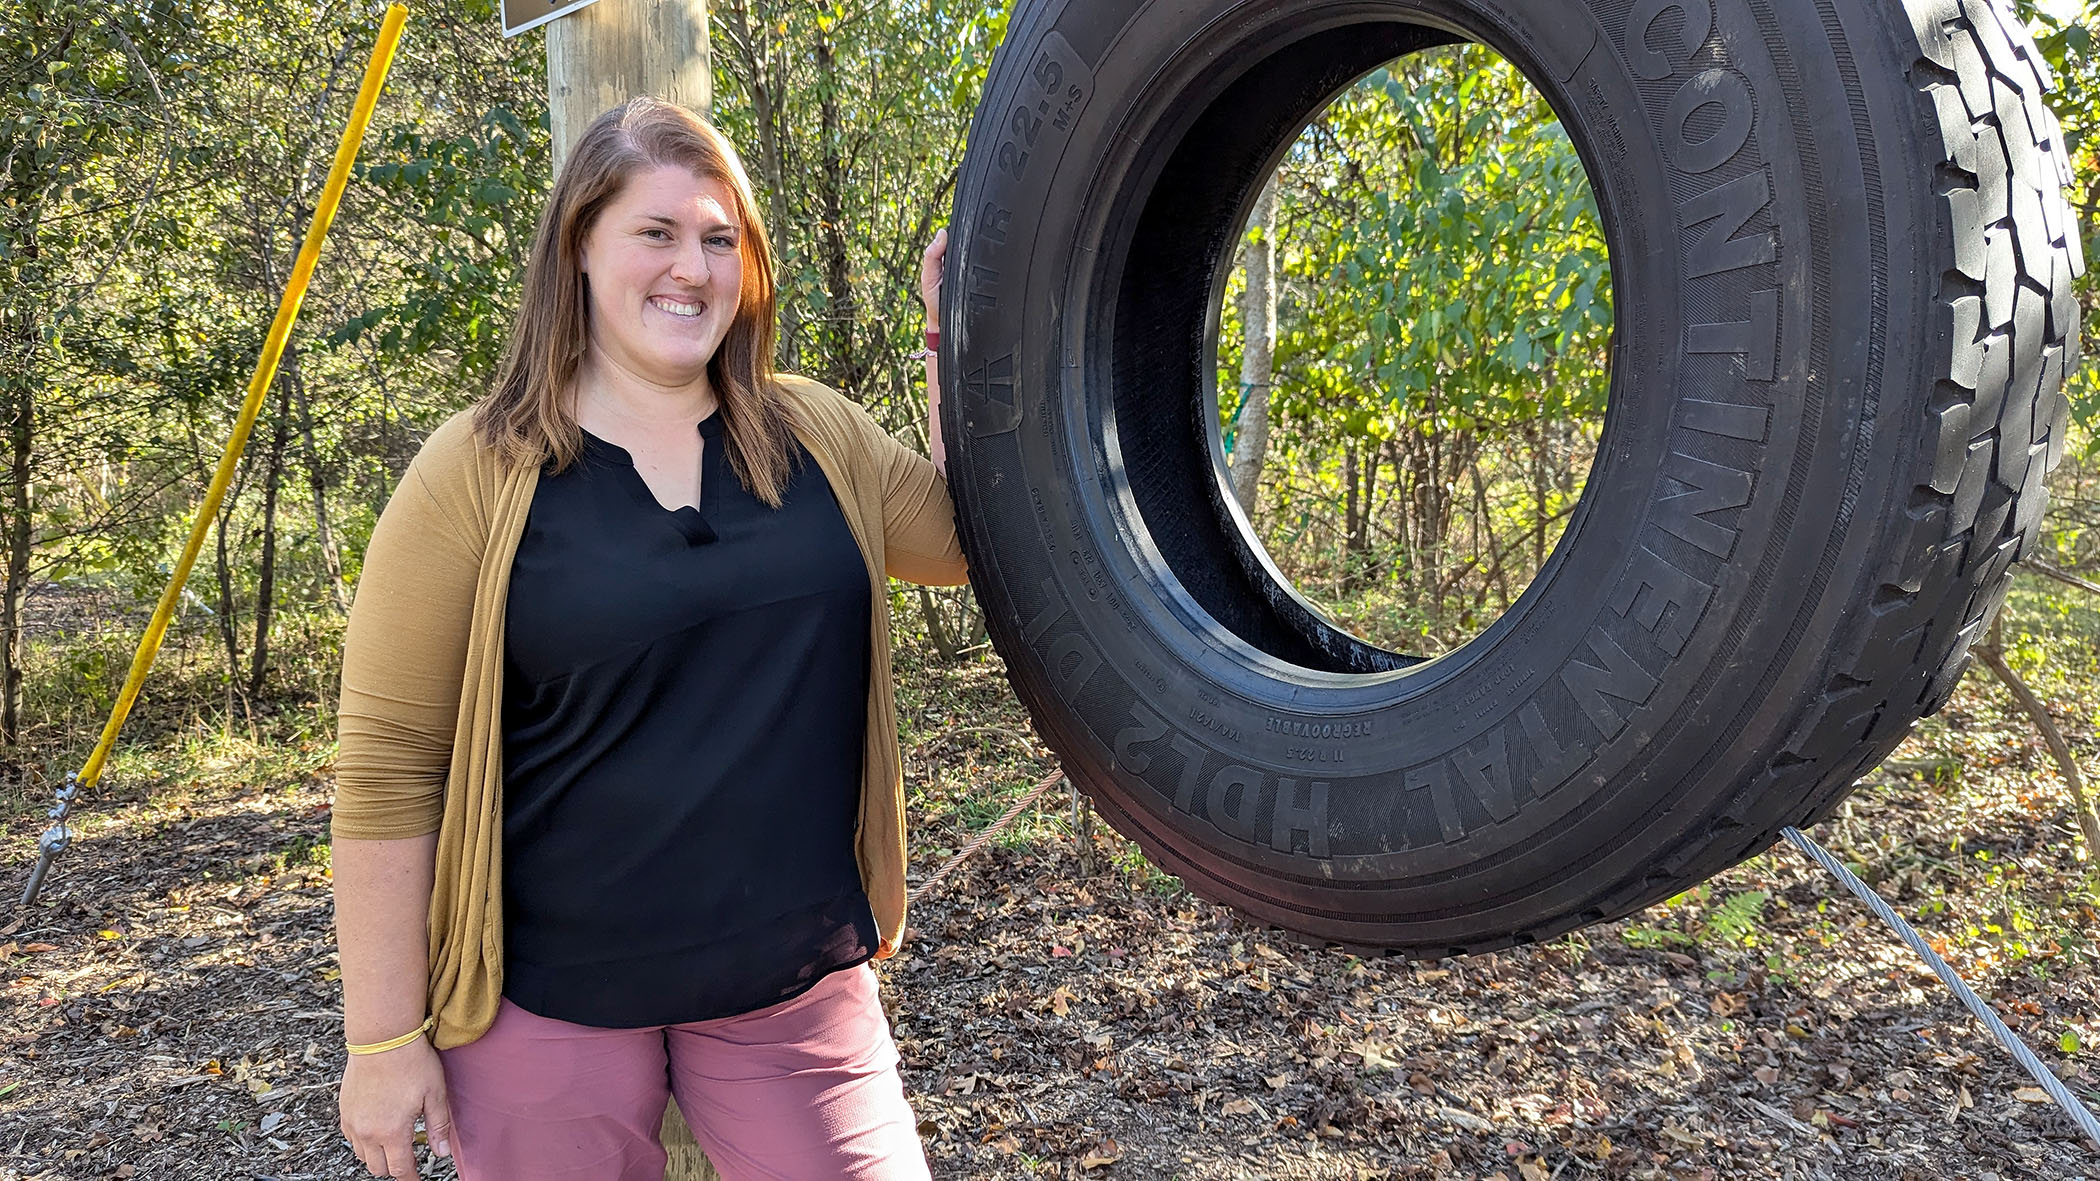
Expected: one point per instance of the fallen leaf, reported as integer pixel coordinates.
(1767, 1075)
(1465, 1119)
(39, 947)
(272, 1122)
(2031, 1095)
(1238, 1107)
(1059, 952)
(1107, 1152)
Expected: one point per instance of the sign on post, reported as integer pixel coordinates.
(520, 15)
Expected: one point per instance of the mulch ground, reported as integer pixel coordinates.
(170, 1011)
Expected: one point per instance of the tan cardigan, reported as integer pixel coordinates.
(420, 721)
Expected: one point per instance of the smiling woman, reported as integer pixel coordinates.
(666, 211)
(566, 825)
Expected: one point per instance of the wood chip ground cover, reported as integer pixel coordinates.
(171, 1009)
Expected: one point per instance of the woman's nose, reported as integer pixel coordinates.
(691, 264)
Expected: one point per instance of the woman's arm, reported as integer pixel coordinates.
(404, 660)
(918, 518)
(930, 265)
(382, 906)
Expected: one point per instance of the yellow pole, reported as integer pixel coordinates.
(265, 372)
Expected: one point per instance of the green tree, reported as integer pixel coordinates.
(83, 113)
(1443, 336)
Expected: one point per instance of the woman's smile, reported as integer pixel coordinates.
(684, 311)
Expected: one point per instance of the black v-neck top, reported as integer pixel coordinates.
(683, 711)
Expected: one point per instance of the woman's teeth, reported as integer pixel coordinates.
(679, 309)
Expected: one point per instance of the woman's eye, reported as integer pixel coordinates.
(660, 235)
(722, 240)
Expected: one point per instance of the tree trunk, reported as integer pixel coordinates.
(930, 611)
(1992, 653)
(1540, 490)
(1352, 513)
(757, 71)
(841, 309)
(222, 556)
(15, 347)
(227, 635)
(1250, 445)
(755, 74)
(317, 483)
(266, 570)
(599, 57)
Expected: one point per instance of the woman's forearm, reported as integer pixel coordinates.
(382, 930)
(933, 415)
(930, 265)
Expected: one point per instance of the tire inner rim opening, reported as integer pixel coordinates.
(1467, 313)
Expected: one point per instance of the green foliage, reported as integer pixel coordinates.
(1735, 920)
(1443, 352)
(1142, 875)
(474, 197)
(1456, 252)
(1695, 919)
(851, 119)
(2064, 34)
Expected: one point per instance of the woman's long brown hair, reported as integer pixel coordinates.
(526, 416)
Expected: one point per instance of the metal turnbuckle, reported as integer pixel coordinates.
(55, 838)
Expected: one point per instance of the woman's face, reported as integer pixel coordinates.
(665, 266)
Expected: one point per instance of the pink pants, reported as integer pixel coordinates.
(805, 1088)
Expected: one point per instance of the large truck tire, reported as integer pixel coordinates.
(1842, 268)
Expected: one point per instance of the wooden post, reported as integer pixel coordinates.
(601, 56)
(597, 58)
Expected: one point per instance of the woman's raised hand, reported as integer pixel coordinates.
(930, 265)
